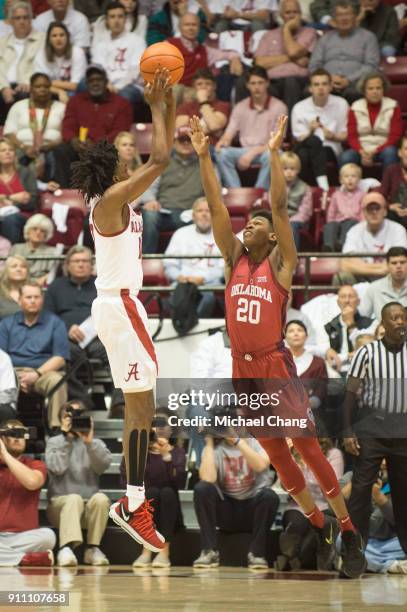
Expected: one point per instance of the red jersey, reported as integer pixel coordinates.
(18, 505)
(256, 306)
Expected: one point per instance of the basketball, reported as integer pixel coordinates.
(162, 55)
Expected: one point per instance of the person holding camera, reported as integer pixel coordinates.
(22, 541)
(235, 494)
(75, 459)
(165, 475)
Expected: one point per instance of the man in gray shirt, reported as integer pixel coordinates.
(391, 288)
(235, 494)
(75, 459)
(347, 53)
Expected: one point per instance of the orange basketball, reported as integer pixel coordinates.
(162, 55)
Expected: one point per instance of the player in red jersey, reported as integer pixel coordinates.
(258, 273)
(119, 317)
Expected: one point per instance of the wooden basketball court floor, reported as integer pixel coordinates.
(182, 589)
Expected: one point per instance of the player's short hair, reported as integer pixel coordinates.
(94, 171)
(263, 212)
(396, 251)
(290, 157)
(350, 166)
(297, 322)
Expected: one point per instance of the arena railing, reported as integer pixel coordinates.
(308, 257)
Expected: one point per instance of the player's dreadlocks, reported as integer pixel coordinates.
(94, 171)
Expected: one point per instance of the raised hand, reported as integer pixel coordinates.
(157, 91)
(200, 142)
(277, 137)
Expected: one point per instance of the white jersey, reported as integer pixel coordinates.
(118, 256)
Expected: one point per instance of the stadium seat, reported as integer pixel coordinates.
(143, 133)
(69, 197)
(322, 270)
(153, 271)
(397, 72)
(74, 224)
(240, 200)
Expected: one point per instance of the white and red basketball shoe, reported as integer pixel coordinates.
(139, 524)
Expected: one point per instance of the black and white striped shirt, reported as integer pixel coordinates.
(384, 375)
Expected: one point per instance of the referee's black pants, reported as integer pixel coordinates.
(366, 468)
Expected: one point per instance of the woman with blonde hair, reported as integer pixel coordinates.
(18, 191)
(125, 144)
(12, 278)
(37, 231)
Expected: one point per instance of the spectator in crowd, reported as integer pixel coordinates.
(255, 15)
(120, 55)
(347, 53)
(165, 475)
(390, 288)
(8, 389)
(126, 146)
(214, 113)
(375, 385)
(234, 494)
(299, 195)
(345, 208)
(17, 54)
(375, 234)
(252, 119)
(165, 23)
(75, 459)
(284, 52)
(75, 21)
(37, 343)
(12, 278)
(196, 239)
(18, 192)
(34, 126)
(319, 126)
(89, 116)
(70, 297)
(310, 368)
(394, 186)
(322, 12)
(172, 193)
(37, 231)
(64, 63)
(299, 315)
(375, 125)
(297, 541)
(93, 9)
(22, 541)
(383, 551)
(336, 345)
(380, 19)
(198, 56)
(135, 22)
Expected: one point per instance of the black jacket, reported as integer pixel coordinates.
(334, 330)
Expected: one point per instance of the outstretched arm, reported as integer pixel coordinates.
(130, 189)
(228, 244)
(285, 259)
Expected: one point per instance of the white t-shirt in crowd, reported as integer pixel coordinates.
(218, 7)
(75, 21)
(212, 359)
(18, 122)
(189, 241)
(62, 68)
(101, 34)
(120, 57)
(333, 116)
(7, 376)
(19, 45)
(360, 240)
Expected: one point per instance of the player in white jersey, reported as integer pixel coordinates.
(120, 318)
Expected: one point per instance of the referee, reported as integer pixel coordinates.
(377, 380)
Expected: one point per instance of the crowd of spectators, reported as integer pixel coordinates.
(70, 76)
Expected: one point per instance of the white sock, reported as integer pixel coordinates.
(322, 181)
(135, 496)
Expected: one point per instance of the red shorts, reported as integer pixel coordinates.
(274, 374)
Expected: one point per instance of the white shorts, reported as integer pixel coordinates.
(120, 320)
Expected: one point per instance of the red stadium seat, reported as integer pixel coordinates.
(74, 224)
(322, 270)
(240, 200)
(397, 72)
(143, 133)
(153, 271)
(399, 93)
(69, 197)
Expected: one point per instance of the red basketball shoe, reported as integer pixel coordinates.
(138, 524)
(38, 559)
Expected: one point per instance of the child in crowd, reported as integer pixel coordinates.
(299, 194)
(345, 208)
